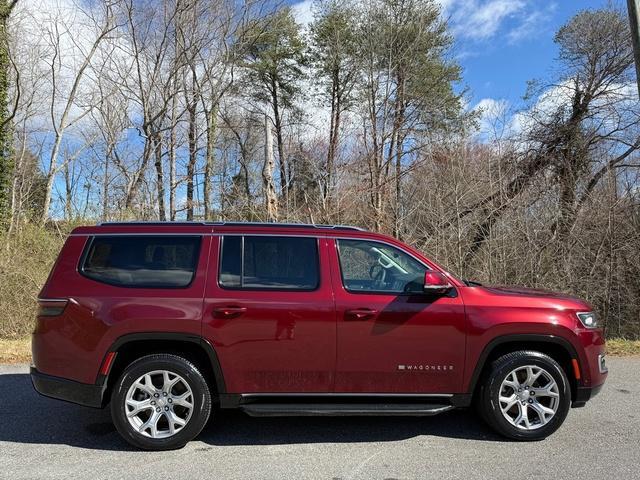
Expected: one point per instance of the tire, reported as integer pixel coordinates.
(500, 403)
(167, 414)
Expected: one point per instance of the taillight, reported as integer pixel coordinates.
(51, 307)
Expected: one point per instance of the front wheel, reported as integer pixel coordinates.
(160, 402)
(525, 395)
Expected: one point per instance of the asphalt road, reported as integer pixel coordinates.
(42, 438)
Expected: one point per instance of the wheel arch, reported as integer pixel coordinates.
(558, 348)
(136, 345)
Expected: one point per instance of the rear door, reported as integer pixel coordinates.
(270, 314)
(392, 337)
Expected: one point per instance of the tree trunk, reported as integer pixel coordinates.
(212, 126)
(51, 174)
(399, 122)
(172, 160)
(271, 200)
(105, 183)
(280, 144)
(334, 132)
(157, 149)
(68, 193)
(193, 149)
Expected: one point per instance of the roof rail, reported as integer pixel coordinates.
(150, 222)
(233, 224)
(277, 225)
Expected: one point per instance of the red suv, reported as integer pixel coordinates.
(166, 321)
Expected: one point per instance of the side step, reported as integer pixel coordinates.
(342, 409)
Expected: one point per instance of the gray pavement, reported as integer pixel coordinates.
(43, 438)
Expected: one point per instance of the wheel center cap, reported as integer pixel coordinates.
(525, 394)
(161, 402)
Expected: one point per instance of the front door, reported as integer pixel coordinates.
(270, 315)
(392, 337)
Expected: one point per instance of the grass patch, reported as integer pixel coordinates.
(25, 261)
(620, 347)
(15, 351)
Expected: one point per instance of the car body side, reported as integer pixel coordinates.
(101, 318)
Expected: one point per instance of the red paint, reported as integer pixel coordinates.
(435, 279)
(325, 340)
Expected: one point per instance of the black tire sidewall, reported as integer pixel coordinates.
(175, 364)
(491, 407)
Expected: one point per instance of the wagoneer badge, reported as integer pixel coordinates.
(431, 368)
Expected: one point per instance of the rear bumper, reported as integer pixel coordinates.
(67, 390)
(584, 394)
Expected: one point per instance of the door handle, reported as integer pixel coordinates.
(360, 314)
(228, 312)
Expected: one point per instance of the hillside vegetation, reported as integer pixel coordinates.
(233, 110)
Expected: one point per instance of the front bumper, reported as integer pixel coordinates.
(67, 390)
(584, 394)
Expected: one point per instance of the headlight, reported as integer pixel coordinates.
(588, 319)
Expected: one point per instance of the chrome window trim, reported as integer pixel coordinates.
(239, 234)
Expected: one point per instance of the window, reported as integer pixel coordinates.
(368, 266)
(269, 263)
(142, 261)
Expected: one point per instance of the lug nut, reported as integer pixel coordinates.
(158, 409)
(153, 402)
(524, 403)
(170, 401)
(532, 393)
(166, 409)
(156, 395)
(164, 394)
(530, 401)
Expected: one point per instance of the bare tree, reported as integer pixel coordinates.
(102, 24)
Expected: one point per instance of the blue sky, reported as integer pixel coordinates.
(521, 47)
(501, 44)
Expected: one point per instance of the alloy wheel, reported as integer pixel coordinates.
(529, 397)
(159, 404)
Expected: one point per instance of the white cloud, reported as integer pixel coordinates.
(495, 117)
(303, 12)
(481, 20)
(474, 20)
(52, 41)
(533, 23)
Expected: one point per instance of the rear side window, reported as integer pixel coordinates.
(142, 261)
(269, 263)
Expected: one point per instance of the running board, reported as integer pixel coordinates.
(342, 409)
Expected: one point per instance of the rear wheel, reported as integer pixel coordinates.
(160, 402)
(525, 395)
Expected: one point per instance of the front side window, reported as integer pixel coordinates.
(368, 266)
(142, 261)
(269, 263)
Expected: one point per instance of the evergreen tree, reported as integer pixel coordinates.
(6, 154)
(334, 57)
(272, 55)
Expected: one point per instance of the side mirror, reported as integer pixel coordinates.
(435, 282)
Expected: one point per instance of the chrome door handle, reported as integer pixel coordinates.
(360, 314)
(228, 312)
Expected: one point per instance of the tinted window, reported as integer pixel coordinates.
(142, 261)
(276, 263)
(377, 267)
